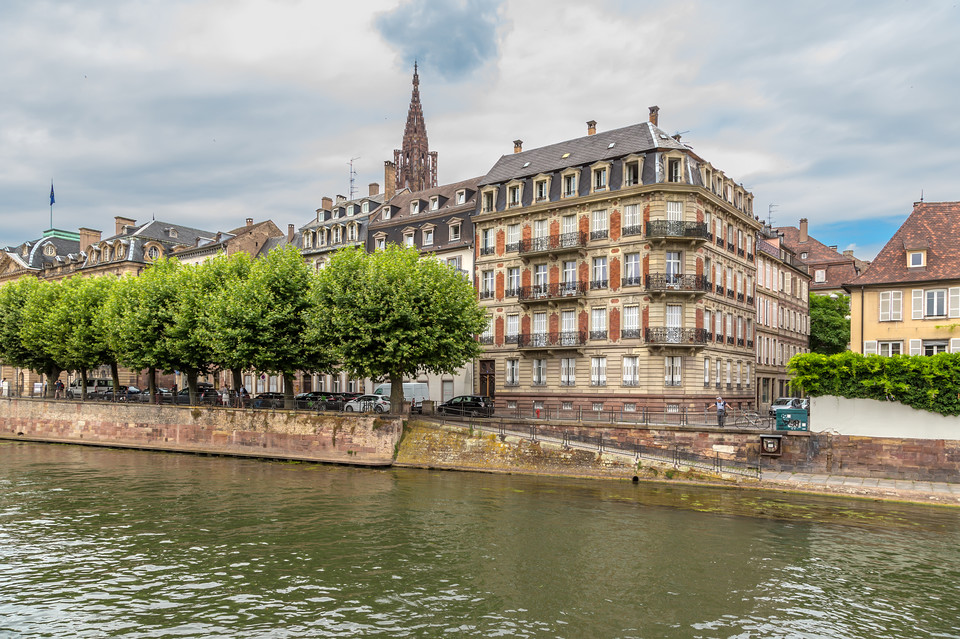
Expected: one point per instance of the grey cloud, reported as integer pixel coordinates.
(450, 36)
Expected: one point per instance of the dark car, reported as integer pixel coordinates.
(336, 401)
(313, 400)
(126, 394)
(268, 400)
(473, 405)
(205, 395)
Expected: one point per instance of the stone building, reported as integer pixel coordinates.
(253, 239)
(340, 223)
(617, 270)
(416, 163)
(783, 315)
(908, 301)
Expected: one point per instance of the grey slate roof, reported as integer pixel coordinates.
(636, 138)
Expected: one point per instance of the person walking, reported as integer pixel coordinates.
(721, 411)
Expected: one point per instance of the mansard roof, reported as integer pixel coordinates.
(607, 145)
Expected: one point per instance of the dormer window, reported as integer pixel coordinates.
(119, 251)
(428, 236)
(631, 173)
(49, 250)
(434, 203)
(408, 238)
(600, 179)
(386, 212)
(488, 201)
(414, 207)
(455, 232)
(803, 255)
(172, 232)
(569, 184)
(513, 194)
(352, 232)
(381, 242)
(351, 210)
(365, 207)
(674, 170)
(153, 253)
(540, 190)
(916, 259)
(461, 197)
(106, 253)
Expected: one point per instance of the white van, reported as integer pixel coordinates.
(414, 392)
(95, 386)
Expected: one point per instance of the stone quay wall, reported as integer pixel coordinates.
(360, 440)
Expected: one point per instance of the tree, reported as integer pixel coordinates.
(37, 333)
(263, 319)
(224, 326)
(829, 323)
(13, 299)
(75, 329)
(392, 315)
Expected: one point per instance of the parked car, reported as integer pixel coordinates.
(473, 405)
(269, 400)
(205, 395)
(312, 400)
(784, 402)
(414, 392)
(126, 394)
(366, 403)
(338, 401)
(95, 387)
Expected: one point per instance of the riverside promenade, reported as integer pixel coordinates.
(923, 492)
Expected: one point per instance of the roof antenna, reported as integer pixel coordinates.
(770, 208)
(921, 195)
(353, 177)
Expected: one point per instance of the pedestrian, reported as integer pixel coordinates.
(721, 411)
(58, 390)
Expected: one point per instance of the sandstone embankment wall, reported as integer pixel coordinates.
(362, 440)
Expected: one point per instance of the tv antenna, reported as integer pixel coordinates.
(353, 178)
(770, 208)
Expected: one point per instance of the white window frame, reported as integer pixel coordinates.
(598, 371)
(630, 369)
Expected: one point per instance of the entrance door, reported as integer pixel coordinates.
(488, 378)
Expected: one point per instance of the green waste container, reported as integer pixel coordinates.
(792, 419)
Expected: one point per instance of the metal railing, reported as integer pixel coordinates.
(675, 335)
(674, 228)
(676, 282)
(549, 243)
(552, 291)
(552, 340)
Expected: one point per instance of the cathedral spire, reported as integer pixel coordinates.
(416, 163)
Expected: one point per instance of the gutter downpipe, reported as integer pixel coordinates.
(861, 320)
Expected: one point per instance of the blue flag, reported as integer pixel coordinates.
(51, 193)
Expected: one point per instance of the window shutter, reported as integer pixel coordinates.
(954, 345)
(885, 306)
(870, 347)
(916, 346)
(667, 372)
(954, 302)
(896, 306)
(917, 303)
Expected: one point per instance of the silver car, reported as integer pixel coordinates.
(366, 403)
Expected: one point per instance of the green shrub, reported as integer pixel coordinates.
(930, 383)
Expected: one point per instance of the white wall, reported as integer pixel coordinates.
(873, 418)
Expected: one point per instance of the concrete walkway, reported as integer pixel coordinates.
(895, 489)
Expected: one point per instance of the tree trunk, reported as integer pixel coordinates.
(115, 374)
(152, 384)
(237, 384)
(396, 393)
(83, 384)
(288, 402)
(192, 385)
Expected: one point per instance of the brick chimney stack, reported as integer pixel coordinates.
(374, 189)
(517, 146)
(389, 180)
(88, 237)
(123, 222)
(326, 204)
(290, 233)
(591, 127)
(803, 229)
(655, 115)
(249, 221)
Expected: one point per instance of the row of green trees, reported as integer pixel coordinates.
(386, 315)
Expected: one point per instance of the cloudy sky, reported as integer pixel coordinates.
(207, 112)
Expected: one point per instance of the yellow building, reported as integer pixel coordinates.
(908, 300)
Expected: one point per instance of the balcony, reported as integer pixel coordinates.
(598, 283)
(547, 292)
(664, 336)
(633, 229)
(669, 283)
(631, 280)
(553, 244)
(675, 230)
(486, 339)
(720, 289)
(565, 339)
(487, 250)
(630, 333)
(750, 299)
(486, 295)
(731, 247)
(598, 334)
(511, 339)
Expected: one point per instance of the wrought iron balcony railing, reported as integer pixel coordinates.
(674, 335)
(563, 339)
(550, 243)
(678, 229)
(671, 282)
(576, 288)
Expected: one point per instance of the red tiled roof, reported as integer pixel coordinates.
(838, 268)
(932, 225)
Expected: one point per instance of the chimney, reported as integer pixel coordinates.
(374, 189)
(122, 223)
(326, 204)
(832, 247)
(249, 221)
(88, 237)
(389, 180)
(848, 253)
(591, 127)
(341, 198)
(517, 146)
(289, 233)
(655, 115)
(803, 230)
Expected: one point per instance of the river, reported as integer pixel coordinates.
(113, 543)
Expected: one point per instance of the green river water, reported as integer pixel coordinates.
(112, 543)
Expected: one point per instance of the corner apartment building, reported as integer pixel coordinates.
(908, 300)
(618, 271)
(783, 315)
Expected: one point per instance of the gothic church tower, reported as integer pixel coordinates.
(416, 164)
